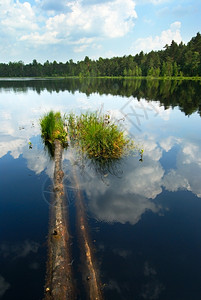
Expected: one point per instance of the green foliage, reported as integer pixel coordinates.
(187, 59)
(98, 137)
(52, 127)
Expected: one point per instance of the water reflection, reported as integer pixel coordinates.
(153, 287)
(4, 286)
(132, 236)
(127, 198)
(139, 183)
(15, 251)
(170, 93)
(187, 174)
(22, 268)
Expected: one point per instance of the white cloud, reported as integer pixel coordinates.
(38, 161)
(83, 43)
(191, 154)
(158, 42)
(41, 39)
(151, 149)
(121, 208)
(13, 145)
(81, 48)
(17, 16)
(169, 142)
(174, 181)
(111, 20)
(20, 123)
(126, 199)
(187, 174)
(80, 25)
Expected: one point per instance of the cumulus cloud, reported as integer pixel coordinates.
(126, 199)
(168, 142)
(80, 48)
(158, 42)
(121, 208)
(83, 43)
(38, 161)
(19, 122)
(15, 133)
(44, 23)
(16, 142)
(11, 144)
(151, 149)
(110, 20)
(16, 16)
(174, 181)
(41, 39)
(187, 175)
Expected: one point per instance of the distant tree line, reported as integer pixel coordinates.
(175, 60)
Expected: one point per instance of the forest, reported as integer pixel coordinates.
(174, 61)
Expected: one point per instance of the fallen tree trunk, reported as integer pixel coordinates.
(90, 274)
(59, 281)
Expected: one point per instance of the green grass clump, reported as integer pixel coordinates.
(97, 136)
(52, 127)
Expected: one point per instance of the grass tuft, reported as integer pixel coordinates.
(52, 127)
(97, 136)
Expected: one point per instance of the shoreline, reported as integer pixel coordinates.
(100, 77)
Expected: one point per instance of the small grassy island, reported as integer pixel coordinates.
(95, 135)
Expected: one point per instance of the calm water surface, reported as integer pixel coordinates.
(144, 217)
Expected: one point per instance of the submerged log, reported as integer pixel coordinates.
(59, 281)
(90, 274)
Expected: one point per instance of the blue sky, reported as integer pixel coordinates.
(68, 29)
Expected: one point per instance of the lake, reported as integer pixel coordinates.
(143, 213)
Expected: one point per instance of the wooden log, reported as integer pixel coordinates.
(59, 279)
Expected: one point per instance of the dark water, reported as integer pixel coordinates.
(144, 217)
